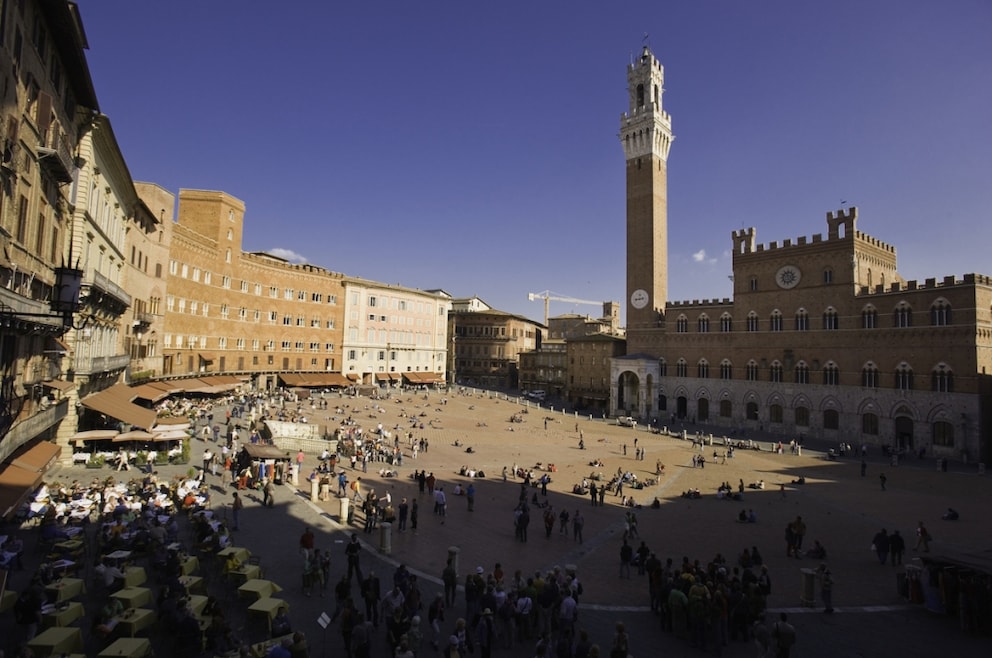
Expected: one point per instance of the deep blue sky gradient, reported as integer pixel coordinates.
(472, 146)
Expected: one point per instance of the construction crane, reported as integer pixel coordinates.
(549, 296)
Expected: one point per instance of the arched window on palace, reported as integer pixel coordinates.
(802, 320)
(869, 318)
(802, 373)
(940, 313)
(681, 368)
(752, 410)
(869, 376)
(776, 320)
(726, 370)
(703, 369)
(831, 374)
(831, 419)
(682, 325)
(942, 379)
(830, 322)
(662, 368)
(902, 317)
(904, 377)
(703, 324)
(726, 323)
(752, 321)
(775, 372)
(726, 408)
(802, 417)
(775, 413)
(751, 373)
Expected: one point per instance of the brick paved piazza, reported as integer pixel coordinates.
(841, 508)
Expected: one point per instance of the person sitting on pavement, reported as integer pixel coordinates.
(817, 551)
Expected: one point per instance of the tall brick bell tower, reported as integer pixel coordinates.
(646, 135)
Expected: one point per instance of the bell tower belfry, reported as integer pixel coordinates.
(646, 135)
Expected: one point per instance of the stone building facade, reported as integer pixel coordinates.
(147, 253)
(486, 345)
(823, 337)
(47, 102)
(546, 368)
(589, 367)
(551, 368)
(394, 336)
(229, 311)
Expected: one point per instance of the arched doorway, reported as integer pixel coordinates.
(702, 410)
(628, 393)
(682, 407)
(904, 433)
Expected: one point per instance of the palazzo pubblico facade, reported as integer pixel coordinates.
(823, 338)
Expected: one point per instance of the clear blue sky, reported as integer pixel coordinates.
(472, 146)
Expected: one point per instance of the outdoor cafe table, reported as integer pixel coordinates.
(197, 602)
(258, 588)
(56, 641)
(63, 614)
(134, 576)
(189, 565)
(133, 597)
(192, 583)
(135, 620)
(245, 573)
(127, 647)
(240, 553)
(119, 555)
(267, 608)
(65, 589)
(64, 566)
(70, 545)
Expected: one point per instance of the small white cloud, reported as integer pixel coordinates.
(699, 256)
(288, 254)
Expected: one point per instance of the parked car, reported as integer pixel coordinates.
(627, 421)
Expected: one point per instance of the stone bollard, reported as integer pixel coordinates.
(386, 538)
(343, 510)
(453, 552)
(711, 440)
(807, 589)
(294, 474)
(314, 491)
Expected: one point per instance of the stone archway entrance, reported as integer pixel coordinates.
(702, 410)
(628, 393)
(681, 407)
(904, 433)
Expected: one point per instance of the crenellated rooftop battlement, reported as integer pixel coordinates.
(841, 226)
(913, 285)
(705, 303)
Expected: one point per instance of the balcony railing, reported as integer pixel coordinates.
(84, 365)
(57, 158)
(33, 421)
(105, 286)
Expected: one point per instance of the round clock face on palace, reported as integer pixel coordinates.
(788, 276)
(639, 298)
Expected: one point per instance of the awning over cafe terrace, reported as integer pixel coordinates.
(22, 474)
(115, 402)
